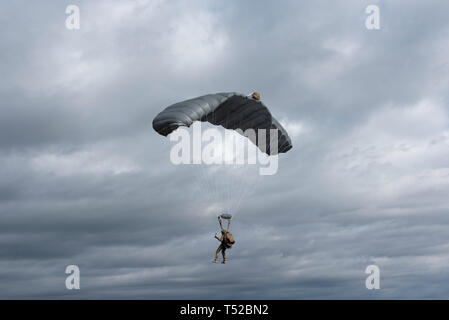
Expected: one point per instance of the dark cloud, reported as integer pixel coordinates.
(85, 180)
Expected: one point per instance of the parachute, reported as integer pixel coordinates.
(227, 185)
(228, 109)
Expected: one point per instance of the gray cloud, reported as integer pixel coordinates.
(85, 180)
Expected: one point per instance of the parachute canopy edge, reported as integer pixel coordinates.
(231, 110)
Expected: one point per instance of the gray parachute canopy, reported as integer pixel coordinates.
(228, 109)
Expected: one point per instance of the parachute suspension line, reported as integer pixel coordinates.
(223, 154)
(220, 175)
(243, 177)
(231, 182)
(225, 187)
(208, 186)
(246, 189)
(212, 176)
(232, 174)
(204, 185)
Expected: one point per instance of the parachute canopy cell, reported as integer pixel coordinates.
(228, 109)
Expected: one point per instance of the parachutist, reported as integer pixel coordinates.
(226, 239)
(222, 247)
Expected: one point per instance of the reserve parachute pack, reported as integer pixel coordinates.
(229, 239)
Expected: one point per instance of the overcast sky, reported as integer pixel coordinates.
(85, 180)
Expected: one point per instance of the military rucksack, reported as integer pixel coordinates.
(229, 239)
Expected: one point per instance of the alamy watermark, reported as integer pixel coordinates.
(72, 22)
(372, 21)
(73, 280)
(213, 147)
(373, 280)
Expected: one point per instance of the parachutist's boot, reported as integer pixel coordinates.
(224, 262)
(214, 261)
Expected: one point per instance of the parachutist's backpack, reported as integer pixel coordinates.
(229, 239)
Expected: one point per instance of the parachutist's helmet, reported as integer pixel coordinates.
(256, 96)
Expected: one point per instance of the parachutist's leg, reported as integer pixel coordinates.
(220, 248)
(216, 253)
(223, 252)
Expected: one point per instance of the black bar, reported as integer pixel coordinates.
(229, 309)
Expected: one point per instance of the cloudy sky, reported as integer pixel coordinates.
(85, 180)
